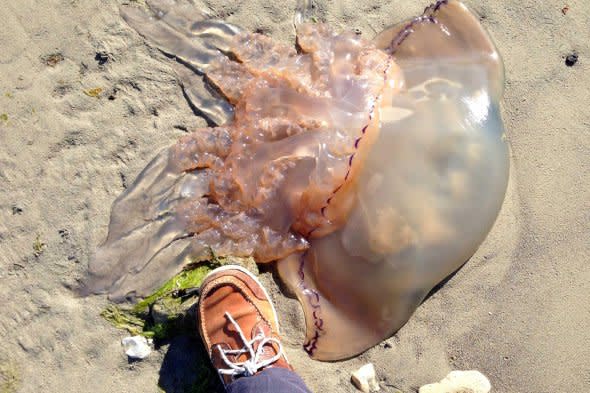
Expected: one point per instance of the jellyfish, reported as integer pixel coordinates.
(367, 170)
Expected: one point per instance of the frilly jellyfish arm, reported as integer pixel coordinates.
(185, 34)
(429, 191)
(181, 32)
(262, 183)
(145, 234)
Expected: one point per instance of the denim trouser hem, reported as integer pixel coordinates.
(270, 380)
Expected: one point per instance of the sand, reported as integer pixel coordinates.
(518, 311)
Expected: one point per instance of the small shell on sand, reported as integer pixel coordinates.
(137, 347)
(364, 379)
(471, 381)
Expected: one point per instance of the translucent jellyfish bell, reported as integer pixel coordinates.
(429, 192)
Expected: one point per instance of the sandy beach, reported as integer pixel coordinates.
(85, 103)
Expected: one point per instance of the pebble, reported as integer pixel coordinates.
(137, 347)
(364, 379)
(571, 59)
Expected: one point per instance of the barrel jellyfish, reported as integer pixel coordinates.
(368, 170)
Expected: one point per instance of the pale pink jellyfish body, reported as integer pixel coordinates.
(369, 170)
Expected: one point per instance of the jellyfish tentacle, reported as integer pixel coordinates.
(195, 24)
(147, 225)
(203, 148)
(184, 34)
(202, 99)
(256, 56)
(169, 40)
(259, 52)
(229, 77)
(144, 226)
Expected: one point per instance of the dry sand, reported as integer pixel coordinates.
(518, 311)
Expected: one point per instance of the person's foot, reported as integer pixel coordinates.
(238, 324)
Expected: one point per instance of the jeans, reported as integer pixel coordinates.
(270, 380)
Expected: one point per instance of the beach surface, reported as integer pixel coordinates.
(85, 103)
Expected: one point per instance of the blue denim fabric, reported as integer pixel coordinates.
(270, 380)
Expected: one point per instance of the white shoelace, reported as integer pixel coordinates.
(253, 364)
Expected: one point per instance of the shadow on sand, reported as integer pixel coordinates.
(186, 368)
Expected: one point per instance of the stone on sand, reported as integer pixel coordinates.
(471, 381)
(364, 379)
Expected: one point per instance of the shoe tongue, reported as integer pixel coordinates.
(217, 359)
(270, 348)
(260, 328)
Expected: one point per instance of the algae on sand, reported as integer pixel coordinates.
(94, 93)
(162, 315)
(139, 318)
(168, 314)
(38, 246)
(185, 280)
(123, 319)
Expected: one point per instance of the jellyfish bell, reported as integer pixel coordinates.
(429, 191)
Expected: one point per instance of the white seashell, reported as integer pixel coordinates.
(137, 347)
(471, 381)
(364, 379)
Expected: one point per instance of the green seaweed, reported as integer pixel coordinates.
(173, 298)
(38, 246)
(123, 319)
(4, 117)
(171, 301)
(168, 313)
(186, 279)
(94, 93)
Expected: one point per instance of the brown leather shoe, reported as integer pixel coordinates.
(238, 324)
